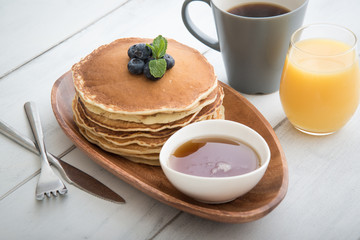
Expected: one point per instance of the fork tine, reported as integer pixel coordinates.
(40, 196)
(63, 191)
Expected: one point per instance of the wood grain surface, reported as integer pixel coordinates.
(152, 181)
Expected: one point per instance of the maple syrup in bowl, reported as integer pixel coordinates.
(215, 161)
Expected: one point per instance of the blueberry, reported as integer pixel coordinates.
(140, 51)
(131, 51)
(170, 62)
(149, 59)
(136, 66)
(148, 74)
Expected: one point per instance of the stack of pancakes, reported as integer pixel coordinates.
(133, 116)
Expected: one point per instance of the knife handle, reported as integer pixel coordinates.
(16, 136)
(19, 138)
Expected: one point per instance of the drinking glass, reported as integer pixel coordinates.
(320, 83)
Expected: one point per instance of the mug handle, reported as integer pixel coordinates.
(194, 30)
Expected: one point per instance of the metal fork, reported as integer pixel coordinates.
(48, 183)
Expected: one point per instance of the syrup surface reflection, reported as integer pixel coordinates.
(214, 157)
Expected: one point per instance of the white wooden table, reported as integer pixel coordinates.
(40, 40)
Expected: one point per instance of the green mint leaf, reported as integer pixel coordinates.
(159, 47)
(152, 48)
(162, 47)
(157, 41)
(157, 67)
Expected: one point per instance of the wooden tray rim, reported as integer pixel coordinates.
(215, 215)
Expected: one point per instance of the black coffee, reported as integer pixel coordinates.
(258, 10)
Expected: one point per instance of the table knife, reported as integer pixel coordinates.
(71, 174)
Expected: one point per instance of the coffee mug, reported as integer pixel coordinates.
(253, 48)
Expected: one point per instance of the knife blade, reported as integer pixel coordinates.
(71, 174)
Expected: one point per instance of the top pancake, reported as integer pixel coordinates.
(102, 80)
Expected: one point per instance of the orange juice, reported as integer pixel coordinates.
(319, 88)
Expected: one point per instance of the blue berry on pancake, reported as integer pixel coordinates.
(136, 66)
(170, 62)
(140, 51)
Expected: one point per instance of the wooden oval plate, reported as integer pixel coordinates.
(257, 203)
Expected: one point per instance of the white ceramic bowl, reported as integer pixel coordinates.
(215, 189)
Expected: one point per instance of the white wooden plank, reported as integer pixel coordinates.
(28, 28)
(344, 13)
(78, 216)
(17, 164)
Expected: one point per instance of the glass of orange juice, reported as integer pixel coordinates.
(320, 83)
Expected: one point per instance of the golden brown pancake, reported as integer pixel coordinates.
(133, 152)
(120, 125)
(133, 116)
(166, 117)
(156, 140)
(82, 120)
(102, 80)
